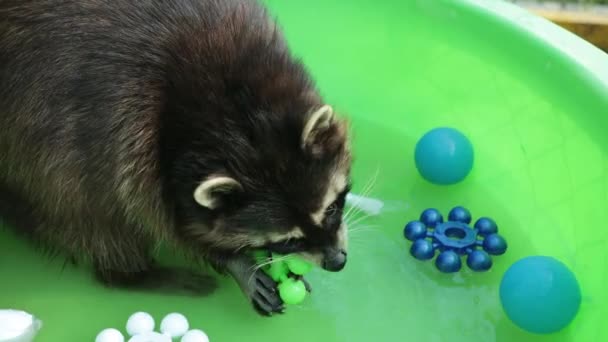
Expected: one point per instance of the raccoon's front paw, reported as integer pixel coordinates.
(264, 295)
(257, 286)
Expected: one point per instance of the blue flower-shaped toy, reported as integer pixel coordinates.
(453, 239)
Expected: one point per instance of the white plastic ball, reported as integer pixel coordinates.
(150, 336)
(110, 335)
(139, 323)
(174, 325)
(17, 325)
(195, 335)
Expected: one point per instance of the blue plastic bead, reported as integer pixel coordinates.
(494, 244)
(448, 262)
(414, 230)
(479, 261)
(460, 214)
(486, 226)
(540, 294)
(431, 217)
(422, 250)
(444, 156)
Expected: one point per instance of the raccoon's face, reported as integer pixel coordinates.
(289, 199)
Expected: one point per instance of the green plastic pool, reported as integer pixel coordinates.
(532, 98)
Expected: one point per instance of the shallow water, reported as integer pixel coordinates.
(398, 69)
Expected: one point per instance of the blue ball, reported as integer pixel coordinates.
(494, 244)
(479, 261)
(448, 262)
(444, 156)
(540, 294)
(422, 249)
(486, 226)
(460, 214)
(414, 230)
(431, 218)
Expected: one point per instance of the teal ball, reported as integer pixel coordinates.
(540, 294)
(444, 156)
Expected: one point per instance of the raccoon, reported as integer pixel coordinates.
(129, 124)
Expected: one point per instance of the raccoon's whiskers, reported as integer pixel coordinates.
(363, 228)
(268, 261)
(367, 189)
(358, 220)
(358, 235)
(239, 248)
(371, 183)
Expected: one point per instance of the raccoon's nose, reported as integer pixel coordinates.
(335, 262)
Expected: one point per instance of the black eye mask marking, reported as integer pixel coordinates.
(333, 213)
(316, 237)
(288, 246)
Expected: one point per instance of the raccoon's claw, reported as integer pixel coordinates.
(306, 283)
(258, 287)
(264, 295)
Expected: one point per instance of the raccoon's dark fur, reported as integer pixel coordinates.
(129, 123)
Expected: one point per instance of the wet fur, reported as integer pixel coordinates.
(113, 111)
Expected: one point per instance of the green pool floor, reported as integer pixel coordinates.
(399, 68)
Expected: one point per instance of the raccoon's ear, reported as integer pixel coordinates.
(212, 192)
(318, 125)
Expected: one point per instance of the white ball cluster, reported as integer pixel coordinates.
(140, 326)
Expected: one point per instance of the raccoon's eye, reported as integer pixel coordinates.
(333, 217)
(332, 209)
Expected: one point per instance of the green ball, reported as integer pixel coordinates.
(278, 271)
(298, 266)
(292, 291)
